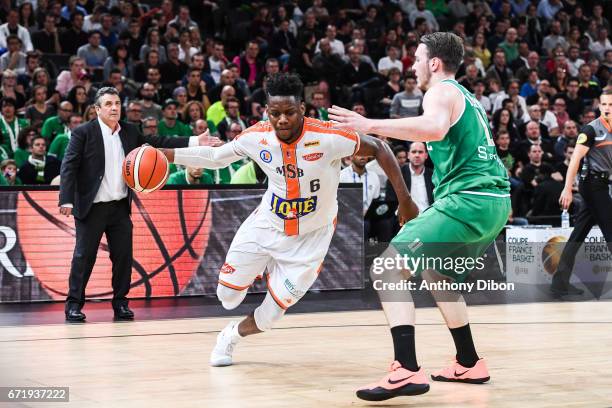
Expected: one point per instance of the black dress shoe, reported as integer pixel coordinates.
(75, 315)
(123, 313)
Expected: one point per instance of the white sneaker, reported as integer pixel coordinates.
(221, 354)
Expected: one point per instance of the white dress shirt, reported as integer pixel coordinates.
(418, 191)
(113, 187)
(370, 181)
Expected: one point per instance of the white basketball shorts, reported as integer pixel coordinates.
(292, 262)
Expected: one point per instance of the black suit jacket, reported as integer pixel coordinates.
(83, 165)
(390, 195)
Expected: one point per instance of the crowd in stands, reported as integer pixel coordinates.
(181, 67)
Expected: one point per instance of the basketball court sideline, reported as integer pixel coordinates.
(539, 355)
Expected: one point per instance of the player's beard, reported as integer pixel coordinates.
(423, 80)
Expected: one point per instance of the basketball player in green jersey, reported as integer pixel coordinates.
(471, 206)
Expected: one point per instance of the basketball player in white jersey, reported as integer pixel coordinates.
(287, 237)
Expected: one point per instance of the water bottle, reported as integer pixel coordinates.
(565, 219)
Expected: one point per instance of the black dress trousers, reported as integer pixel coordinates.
(113, 219)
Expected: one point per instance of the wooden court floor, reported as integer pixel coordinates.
(539, 355)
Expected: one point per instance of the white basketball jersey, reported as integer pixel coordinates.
(303, 176)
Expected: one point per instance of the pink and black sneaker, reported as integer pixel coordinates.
(399, 382)
(457, 373)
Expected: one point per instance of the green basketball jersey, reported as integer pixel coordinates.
(466, 161)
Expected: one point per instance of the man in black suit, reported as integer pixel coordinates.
(93, 190)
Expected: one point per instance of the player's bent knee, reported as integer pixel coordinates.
(230, 298)
(268, 313)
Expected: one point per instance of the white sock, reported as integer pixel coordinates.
(234, 333)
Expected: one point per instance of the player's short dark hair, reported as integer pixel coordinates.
(448, 47)
(283, 84)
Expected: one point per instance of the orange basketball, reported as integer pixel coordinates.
(145, 169)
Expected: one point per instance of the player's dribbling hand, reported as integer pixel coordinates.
(406, 211)
(205, 139)
(349, 119)
(566, 198)
(169, 153)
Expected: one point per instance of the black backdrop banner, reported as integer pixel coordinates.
(180, 240)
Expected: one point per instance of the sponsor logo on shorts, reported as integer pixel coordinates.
(290, 209)
(415, 245)
(227, 268)
(266, 156)
(295, 292)
(312, 156)
(312, 143)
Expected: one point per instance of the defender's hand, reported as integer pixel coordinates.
(349, 119)
(169, 153)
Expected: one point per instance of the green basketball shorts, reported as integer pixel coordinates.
(452, 234)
